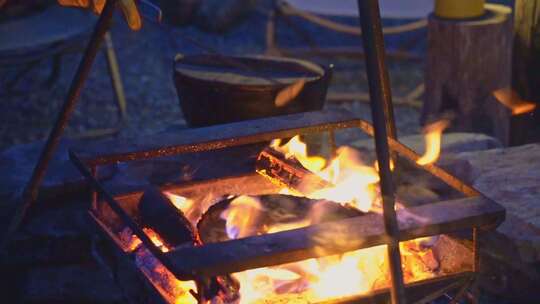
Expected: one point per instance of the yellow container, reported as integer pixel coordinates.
(459, 9)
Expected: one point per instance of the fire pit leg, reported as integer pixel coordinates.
(31, 190)
(383, 122)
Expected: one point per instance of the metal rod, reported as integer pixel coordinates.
(476, 250)
(116, 78)
(383, 122)
(373, 44)
(31, 190)
(109, 199)
(94, 194)
(333, 145)
(476, 264)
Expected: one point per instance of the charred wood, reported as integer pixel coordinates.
(278, 210)
(159, 213)
(288, 172)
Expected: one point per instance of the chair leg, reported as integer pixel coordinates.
(271, 48)
(116, 79)
(56, 69)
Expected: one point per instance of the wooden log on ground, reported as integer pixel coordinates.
(468, 60)
(332, 238)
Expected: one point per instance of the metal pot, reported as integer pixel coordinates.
(212, 91)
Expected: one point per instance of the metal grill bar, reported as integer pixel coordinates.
(382, 114)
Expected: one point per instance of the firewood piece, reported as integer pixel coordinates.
(467, 60)
(334, 237)
(279, 209)
(288, 172)
(160, 214)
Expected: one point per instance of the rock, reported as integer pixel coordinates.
(511, 177)
(451, 142)
(453, 255)
(409, 175)
(70, 284)
(64, 181)
(53, 234)
(61, 177)
(414, 195)
(220, 15)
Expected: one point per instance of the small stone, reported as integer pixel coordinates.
(511, 177)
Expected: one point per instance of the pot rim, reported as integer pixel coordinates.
(318, 71)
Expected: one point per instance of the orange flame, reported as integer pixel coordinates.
(241, 216)
(298, 149)
(510, 99)
(352, 181)
(433, 134)
(186, 205)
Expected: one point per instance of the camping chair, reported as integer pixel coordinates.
(49, 35)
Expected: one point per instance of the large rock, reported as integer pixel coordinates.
(17, 164)
(451, 142)
(511, 177)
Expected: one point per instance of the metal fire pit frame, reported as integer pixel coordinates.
(474, 212)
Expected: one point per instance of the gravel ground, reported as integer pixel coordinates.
(145, 60)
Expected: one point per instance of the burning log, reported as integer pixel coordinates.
(268, 213)
(159, 213)
(288, 172)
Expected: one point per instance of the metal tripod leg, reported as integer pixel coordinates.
(116, 79)
(31, 190)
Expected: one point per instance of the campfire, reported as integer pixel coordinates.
(343, 187)
(293, 228)
(299, 228)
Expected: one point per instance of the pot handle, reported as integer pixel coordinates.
(328, 73)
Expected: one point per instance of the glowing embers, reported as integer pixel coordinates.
(176, 290)
(349, 180)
